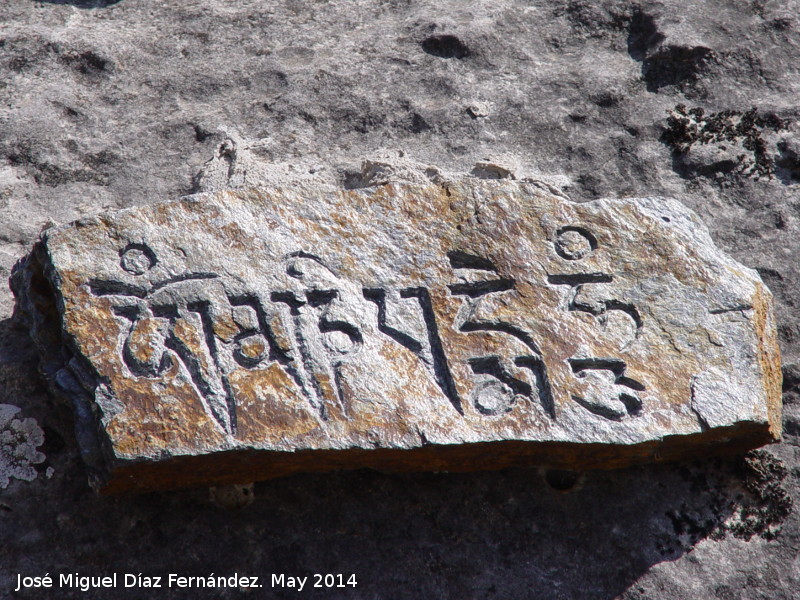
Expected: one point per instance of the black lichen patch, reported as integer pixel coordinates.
(727, 129)
(743, 497)
(769, 503)
(789, 158)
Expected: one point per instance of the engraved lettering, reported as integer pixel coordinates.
(159, 328)
(575, 243)
(137, 259)
(606, 390)
(325, 329)
(311, 328)
(428, 344)
(514, 376)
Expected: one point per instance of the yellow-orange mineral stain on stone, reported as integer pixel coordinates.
(146, 342)
(224, 327)
(769, 356)
(271, 409)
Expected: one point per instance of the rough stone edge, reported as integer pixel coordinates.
(40, 307)
(769, 357)
(764, 323)
(245, 466)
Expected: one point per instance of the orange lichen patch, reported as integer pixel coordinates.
(86, 320)
(281, 335)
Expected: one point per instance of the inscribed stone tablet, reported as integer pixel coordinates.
(241, 335)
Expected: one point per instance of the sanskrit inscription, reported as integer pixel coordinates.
(241, 335)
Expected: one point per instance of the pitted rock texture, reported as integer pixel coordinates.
(245, 334)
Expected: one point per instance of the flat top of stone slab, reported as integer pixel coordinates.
(402, 317)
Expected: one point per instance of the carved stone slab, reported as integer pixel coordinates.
(243, 335)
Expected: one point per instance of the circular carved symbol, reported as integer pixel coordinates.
(339, 342)
(251, 350)
(575, 243)
(137, 259)
(493, 398)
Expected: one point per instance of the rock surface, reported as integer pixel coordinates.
(240, 335)
(109, 104)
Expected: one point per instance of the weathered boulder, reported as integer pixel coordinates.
(241, 335)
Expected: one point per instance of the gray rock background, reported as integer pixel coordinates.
(109, 104)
